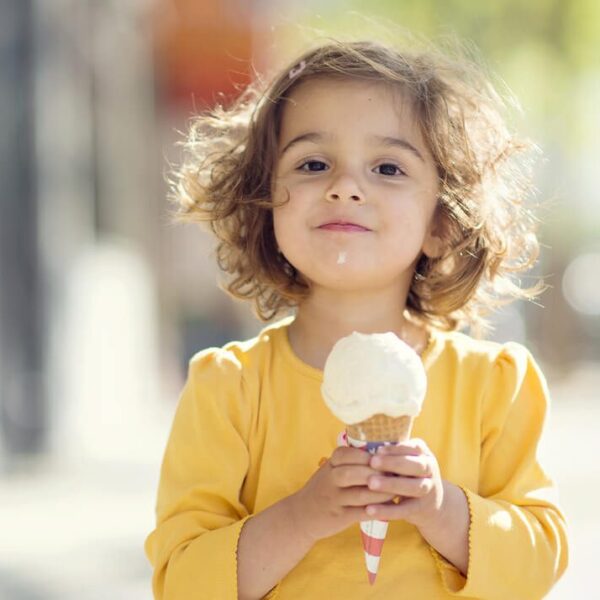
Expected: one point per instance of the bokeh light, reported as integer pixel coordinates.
(581, 284)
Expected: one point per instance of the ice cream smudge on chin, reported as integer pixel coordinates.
(341, 258)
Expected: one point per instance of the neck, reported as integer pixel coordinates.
(326, 317)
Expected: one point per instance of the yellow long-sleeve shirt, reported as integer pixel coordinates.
(251, 427)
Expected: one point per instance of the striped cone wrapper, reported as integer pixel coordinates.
(386, 430)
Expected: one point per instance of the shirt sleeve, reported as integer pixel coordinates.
(193, 548)
(517, 535)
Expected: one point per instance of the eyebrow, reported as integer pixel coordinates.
(383, 140)
(313, 137)
(396, 143)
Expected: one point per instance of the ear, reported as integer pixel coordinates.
(433, 244)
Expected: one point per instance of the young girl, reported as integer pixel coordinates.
(369, 190)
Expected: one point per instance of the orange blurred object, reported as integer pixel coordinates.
(203, 48)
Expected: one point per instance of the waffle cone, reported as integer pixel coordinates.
(381, 428)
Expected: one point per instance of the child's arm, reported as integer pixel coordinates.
(275, 540)
(515, 510)
(205, 538)
(270, 546)
(517, 543)
(199, 510)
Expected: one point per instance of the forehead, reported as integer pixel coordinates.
(348, 105)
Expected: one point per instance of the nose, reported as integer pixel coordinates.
(345, 188)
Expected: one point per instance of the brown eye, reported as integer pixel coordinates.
(390, 169)
(312, 163)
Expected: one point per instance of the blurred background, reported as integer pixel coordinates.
(103, 300)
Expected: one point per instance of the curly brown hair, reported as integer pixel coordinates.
(484, 174)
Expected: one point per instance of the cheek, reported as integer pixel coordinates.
(286, 229)
(398, 231)
(405, 221)
(292, 214)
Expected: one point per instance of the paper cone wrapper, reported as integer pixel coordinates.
(377, 431)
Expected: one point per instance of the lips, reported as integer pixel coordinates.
(343, 226)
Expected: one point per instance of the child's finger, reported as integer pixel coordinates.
(407, 465)
(413, 446)
(391, 512)
(361, 496)
(351, 475)
(414, 487)
(355, 513)
(345, 455)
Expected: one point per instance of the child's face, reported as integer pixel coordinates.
(360, 211)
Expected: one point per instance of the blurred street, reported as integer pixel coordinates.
(75, 531)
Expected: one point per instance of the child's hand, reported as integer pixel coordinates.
(336, 495)
(409, 471)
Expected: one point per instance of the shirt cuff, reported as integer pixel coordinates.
(454, 581)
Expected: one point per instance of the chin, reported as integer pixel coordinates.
(349, 280)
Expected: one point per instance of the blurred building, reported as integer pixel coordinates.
(22, 393)
(93, 94)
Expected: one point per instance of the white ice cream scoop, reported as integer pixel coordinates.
(368, 374)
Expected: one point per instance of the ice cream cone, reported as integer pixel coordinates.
(381, 428)
(376, 384)
(369, 435)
